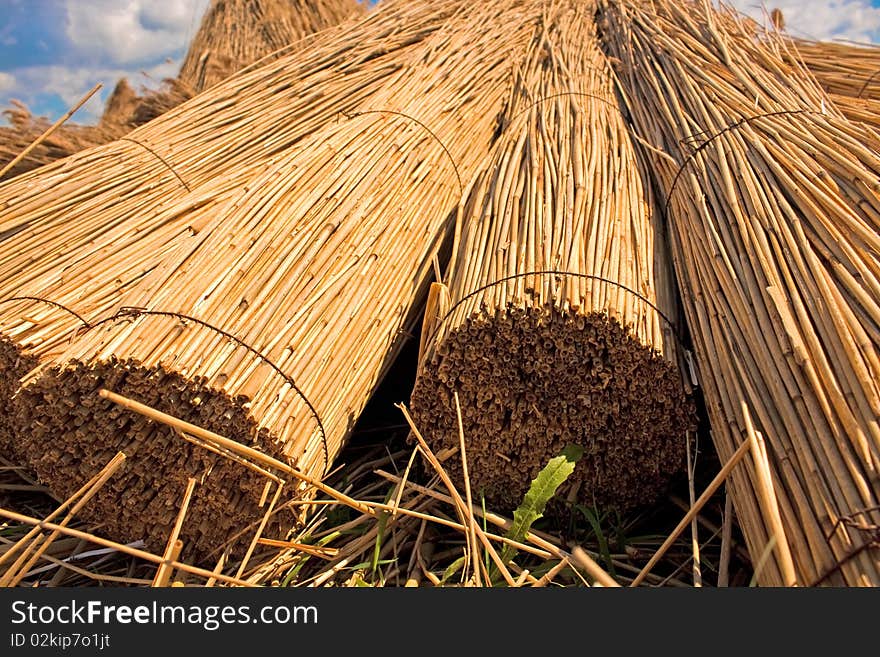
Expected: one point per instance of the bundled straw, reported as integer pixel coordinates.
(774, 212)
(275, 323)
(843, 69)
(539, 360)
(236, 33)
(81, 232)
(233, 35)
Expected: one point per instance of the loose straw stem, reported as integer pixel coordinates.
(464, 511)
(726, 540)
(472, 521)
(120, 547)
(259, 533)
(163, 574)
(39, 140)
(244, 450)
(36, 530)
(767, 498)
(10, 579)
(499, 521)
(695, 509)
(593, 569)
(695, 540)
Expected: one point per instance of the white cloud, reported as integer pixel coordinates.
(853, 20)
(7, 81)
(122, 32)
(72, 83)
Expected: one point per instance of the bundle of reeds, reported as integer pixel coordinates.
(274, 324)
(233, 34)
(80, 242)
(586, 355)
(236, 33)
(80, 232)
(774, 212)
(121, 105)
(842, 69)
(847, 72)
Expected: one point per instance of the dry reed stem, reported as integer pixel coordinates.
(726, 540)
(474, 546)
(767, 497)
(466, 513)
(695, 509)
(174, 545)
(593, 569)
(25, 540)
(48, 132)
(695, 541)
(35, 545)
(121, 547)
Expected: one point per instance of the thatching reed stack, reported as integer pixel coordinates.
(539, 360)
(773, 215)
(298, 294)
(842, 69)
(236, 33)
(81, 232)
(233, 34)
(850, 74)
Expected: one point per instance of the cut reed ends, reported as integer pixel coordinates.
(83, 232)
(540, 360)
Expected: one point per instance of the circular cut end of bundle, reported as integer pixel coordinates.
(531, 381)
(67, 433)
(14, 364)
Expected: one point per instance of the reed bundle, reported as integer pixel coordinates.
(849, 74)
(540, 360)
(80, 232)
(842, 69)
(774, 211)
(296, 295)
(121, 105)
(233, 34)
(236, 33)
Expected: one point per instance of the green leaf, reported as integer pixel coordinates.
(307, 540)
(541, 491)
(382, 518)
(453, 568)
(596, 523)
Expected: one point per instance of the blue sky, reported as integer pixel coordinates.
(53, 51)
